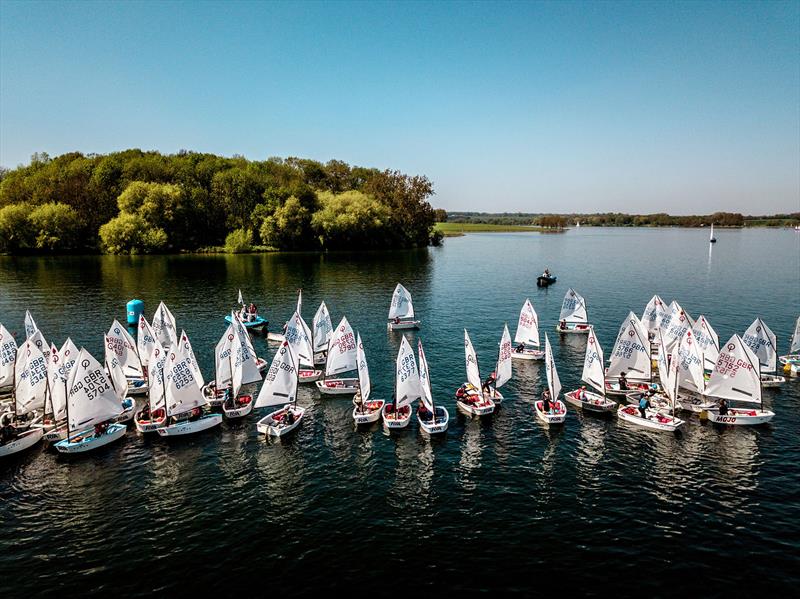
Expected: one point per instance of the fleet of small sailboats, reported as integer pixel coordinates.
(65, 396)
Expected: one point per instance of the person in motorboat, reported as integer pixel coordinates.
(358, 401)
(623, 382)
(487, 384)
(547, 406)
(723, 407)
(644, 403)
(546, 273)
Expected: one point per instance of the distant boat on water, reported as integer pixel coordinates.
(711, 238)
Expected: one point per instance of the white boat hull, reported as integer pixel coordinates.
(741, 417)
(276, 337)
(87, 441)
(403, 325)
(137, 386)
(435, 426)
(772, 380)
(308, 376)
(395, 420)
(612, 387)
(558, 415)
(371, 412)
(527, 354)
(150, 425)
(214, 397)
(696, 403)
(477, 405)
(24, 441)
(338, 386)
(272, 425)
(243, 406)
(190, 427)
(320, 359)
(128, 410)
(654, 421)
(591, 402)
(574, 328)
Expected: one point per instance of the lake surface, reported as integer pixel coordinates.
(499, 504)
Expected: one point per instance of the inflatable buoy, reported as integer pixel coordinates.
(135, 309)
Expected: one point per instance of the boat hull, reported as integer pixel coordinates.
(276, 337)
(593, 402)
(527, 354)
(338, 386)
(308, 376)
(435, 426)
(574, 328)
(772, 380)
(24, 441)
(395, 419)
(741, 417)
(190, 427)
(477, 406)
(255, 325)
(543, 281)
(403, 325)
(271, 424)
(371, 413)
(558, 416)
(87, 441)
(243, 406)
(654, 421)
(128, 410)
(150, 425)
(137, 386)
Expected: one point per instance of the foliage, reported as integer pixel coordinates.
(289, 227)
(15, 231)
(351, 220)
(239, 241)
(130, 234)
(57, 227)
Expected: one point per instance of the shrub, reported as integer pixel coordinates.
(239, 241)
(56, 226)
(15, 229)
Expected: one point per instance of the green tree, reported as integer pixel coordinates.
(289, 227)
(56, 227)
(351, 220)
(15, 230)
(130, 234)
(239, 241)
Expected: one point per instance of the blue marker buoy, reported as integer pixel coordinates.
(135, 308)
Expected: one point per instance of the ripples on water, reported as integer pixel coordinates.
(502, 503)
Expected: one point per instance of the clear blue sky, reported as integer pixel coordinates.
(637, 107)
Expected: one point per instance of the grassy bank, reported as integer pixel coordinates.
(457, 229)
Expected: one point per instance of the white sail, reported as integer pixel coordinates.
(653, 314)
(323, 328)
(408, 388)
(401, 306)
(245, 352)
(573, 309)
(145, 340)
(553, 382)
(736, 375)
(341, 350)
(223, 359)
(691, 371)
(186, 349)
(760, 338)
(163, 326)
(31, 383)
(280, 384)
(527, 326)
(795, 347)
(182, 391)
(157, 363)
(631, 352)
(30, 325)
(707, 341)
(90, 396)
(122, 345)
(57, 384)
(503, 370)
(8, 355)
(299, 308)
(425, 378)
(240, 299)
(364, 384)
(711, 236)
(593, 364)
(679, 323)
(667, 376)
(115, 372)
(39, 341)
(299, 337)
(473, 372)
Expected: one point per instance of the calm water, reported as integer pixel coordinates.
(499, 504)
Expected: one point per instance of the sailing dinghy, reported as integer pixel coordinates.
(397, 413)
(594, 375)
(527, 335)
(558, 411)
(91, 402)
(298, 335)
(653, 315)
(163, 326)
(119, 383)
(365, 410)
(691, 375)
(184, 399)
(573, 317)
(341, 358)
(432, 419)
(215, 389)
(630, 357)
(469, 397)
(737, 378)
(707, 342)
(8, 355)
(238, 404)
(154, 413)
(281, 337)
(30, 393)
(401, 310)
(711, 238)
(323, 330)
(760, 338)
(280, 388)
(657, 419)
(790, 361)
(502, 373)
(251, 321)
(121, 344)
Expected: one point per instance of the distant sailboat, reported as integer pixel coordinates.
(711, 238)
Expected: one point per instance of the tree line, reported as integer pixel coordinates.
(617, 219)
(144, 202)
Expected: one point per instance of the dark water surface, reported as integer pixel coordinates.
(500, 504)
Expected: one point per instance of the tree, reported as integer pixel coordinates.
(289, 227)
(57, 227)
(350, 220)
(239, 241)
(15, 233)
(130, 234)
(440, 215)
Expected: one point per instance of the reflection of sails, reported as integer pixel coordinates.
(404, 491)
(280, 468)
(590, 450)
(470, 453)
(710, 252)
(172, 469)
